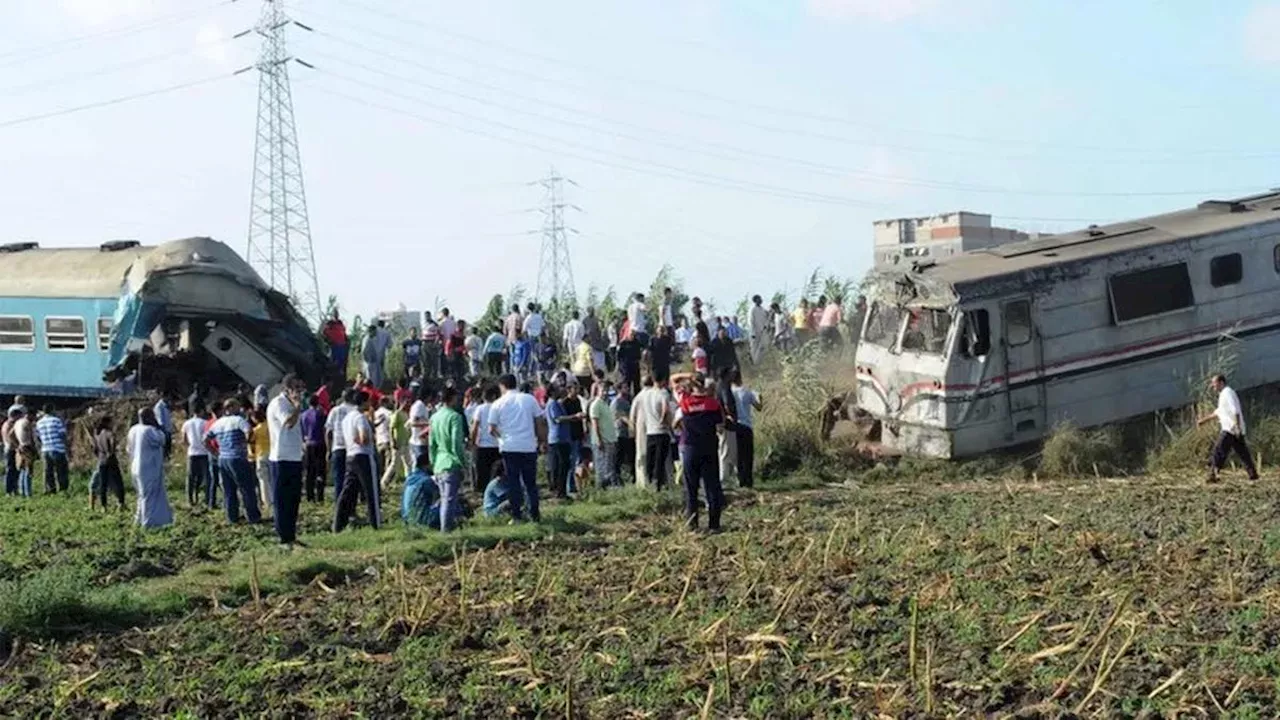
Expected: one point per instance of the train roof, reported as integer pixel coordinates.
(99, 272)
(1209, 217)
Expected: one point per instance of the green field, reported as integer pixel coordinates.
(993, 596)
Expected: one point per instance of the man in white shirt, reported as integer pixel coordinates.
(652, 410)
(574, 332)
(533, 323)
(419, 428)
(337, 440)
(668, 318)
(758, 320)
(637, 320)
(485, 454)
(1230, 417)
(518, 423)
(358, 437)
(285, 457)
(448, 324)
(199, 475)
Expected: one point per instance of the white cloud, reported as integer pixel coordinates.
(100, 12)
(879, 10)
(211, 44)
(1262, 33)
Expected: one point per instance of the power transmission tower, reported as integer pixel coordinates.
(279, 231)
(555, 271)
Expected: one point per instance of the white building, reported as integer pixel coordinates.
(904, 240)
(402, 318)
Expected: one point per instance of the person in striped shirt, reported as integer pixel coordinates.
(52, 435)
(231, 432)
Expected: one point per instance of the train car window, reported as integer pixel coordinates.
(975, 335)
(1017, 322)
(883, 324)
(1275, 257)
(104, 334)
(17, 332)
(64, 333)
(927, 331)
(1226, 270)
(1154, 291)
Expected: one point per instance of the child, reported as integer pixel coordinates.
(522, 357)
(582, 473)
(545, 356)
(259, 454)
(497, 494)
(108, 471)
(382, 419)
(420, 495)
(700, 364)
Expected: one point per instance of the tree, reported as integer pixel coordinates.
(493, 315)
(666, 278)
(837, 287)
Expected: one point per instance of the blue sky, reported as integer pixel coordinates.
(746, 142)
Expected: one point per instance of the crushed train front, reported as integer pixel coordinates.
(194, 311)
(919, 364)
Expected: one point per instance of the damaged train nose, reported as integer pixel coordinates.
(162, 317)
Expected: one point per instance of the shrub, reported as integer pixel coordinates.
(1070, 451)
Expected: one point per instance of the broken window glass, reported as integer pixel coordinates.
(1017, 323)
(1154, 291)
(883, 324)
(927, 331)
(975, 340)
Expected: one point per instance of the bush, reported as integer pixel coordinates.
(1070, 451)
(786, 443)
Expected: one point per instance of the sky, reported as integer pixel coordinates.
(745, 142)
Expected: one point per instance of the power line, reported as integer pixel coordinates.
(115, 101)
(14, 57)
(647, 166)
(790, 112)
(821, 168)
(110, 69)
(710, 181)
(789, 130)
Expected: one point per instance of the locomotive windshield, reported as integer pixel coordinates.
(883, 323)
(927, 331)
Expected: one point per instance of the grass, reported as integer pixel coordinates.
(64, 569)
(1100, 598)
(1024, 582)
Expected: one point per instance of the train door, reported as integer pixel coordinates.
(1024, 370)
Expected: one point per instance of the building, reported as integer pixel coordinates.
(903, 240)
(401, 319)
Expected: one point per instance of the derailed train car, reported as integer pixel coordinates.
(89, 322)
(994, 348)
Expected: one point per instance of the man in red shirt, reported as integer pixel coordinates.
(335, 334)
(700, 420)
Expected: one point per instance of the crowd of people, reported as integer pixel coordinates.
(462, 426)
